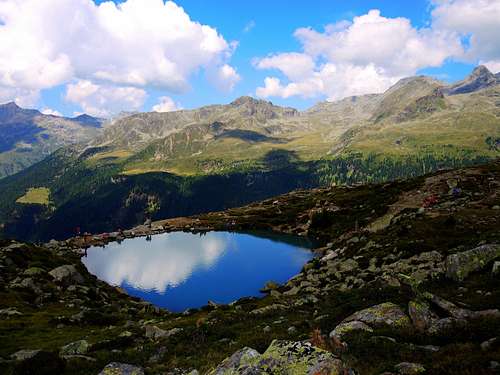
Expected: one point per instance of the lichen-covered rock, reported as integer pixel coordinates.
(156, 333)
(408, 368)
(460, 265)
(240, 360)
(346, 328)
(116, 368)
(269, 309)
(79, 347)
(421, 315)
(282, 357)
(385, 315)
(67, 274)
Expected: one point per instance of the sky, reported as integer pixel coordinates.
(67, 57)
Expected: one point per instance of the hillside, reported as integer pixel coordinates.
(252, 149)
(428, 247)
(28, 136)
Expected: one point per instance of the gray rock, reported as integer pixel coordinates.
(460, 265)
(407, 368)
(384, 315)
(495, 270)
(343, 329)
(24, 354)
(282, 357)
(67, 274)
(421, 315)
(155, 333)
(269, 309)
(116, 368)
(75, 348)
(9, 312)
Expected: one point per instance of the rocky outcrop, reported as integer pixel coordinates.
(66, 274)
(284, 357)
(460, 265)
(116, 368)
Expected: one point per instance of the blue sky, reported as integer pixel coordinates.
(265, 29)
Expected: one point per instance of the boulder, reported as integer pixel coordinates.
(66, 274)
(156, 333)
(79, 347)
(408, 368)
(282, 357)
(460, 265)
(421, 315)
(385, 315)
(343, 329)
(9, 312)
(116, 368)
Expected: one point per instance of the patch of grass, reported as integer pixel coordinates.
(39, 195)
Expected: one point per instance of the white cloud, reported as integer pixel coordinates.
(478, 21)
(137, 43)
(166, 261)
(49, 111)
(493, 66)
(166, 104)
(22, 97)
(104, 100)
(351, 58)
(224, 77)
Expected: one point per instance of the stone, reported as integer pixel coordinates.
(79, 347)
(269, 309)
(384, 315)
(9, 312)
(495, 270)
(116, 368)
(34, 271)
(156, 333)
(239, 359)
(67, 274)
(282, 357)
(488, 344)
(408, 368)
(460, 265)
(343, 329)
(421, 315)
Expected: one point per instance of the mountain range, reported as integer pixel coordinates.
(27, 136)
(220, 156)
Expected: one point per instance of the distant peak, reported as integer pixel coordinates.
(12, 105)
(480, 71)
(242, 100)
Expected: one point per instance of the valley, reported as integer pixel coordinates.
(159, 165)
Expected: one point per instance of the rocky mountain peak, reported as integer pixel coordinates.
(479, 79)
(247, 100)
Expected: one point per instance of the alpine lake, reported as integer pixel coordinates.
(179, 270)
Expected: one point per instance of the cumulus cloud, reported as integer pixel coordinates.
(104, 100)
(350, 58)
(166, 104)
(159, 265)
(476, 21)
(224, 77)
(137, 43)
(50, 111)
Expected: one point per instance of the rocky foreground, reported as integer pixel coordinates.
(406, 281)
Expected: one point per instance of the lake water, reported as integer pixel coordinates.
(184, 270)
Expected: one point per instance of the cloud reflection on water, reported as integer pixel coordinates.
(167, 260)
